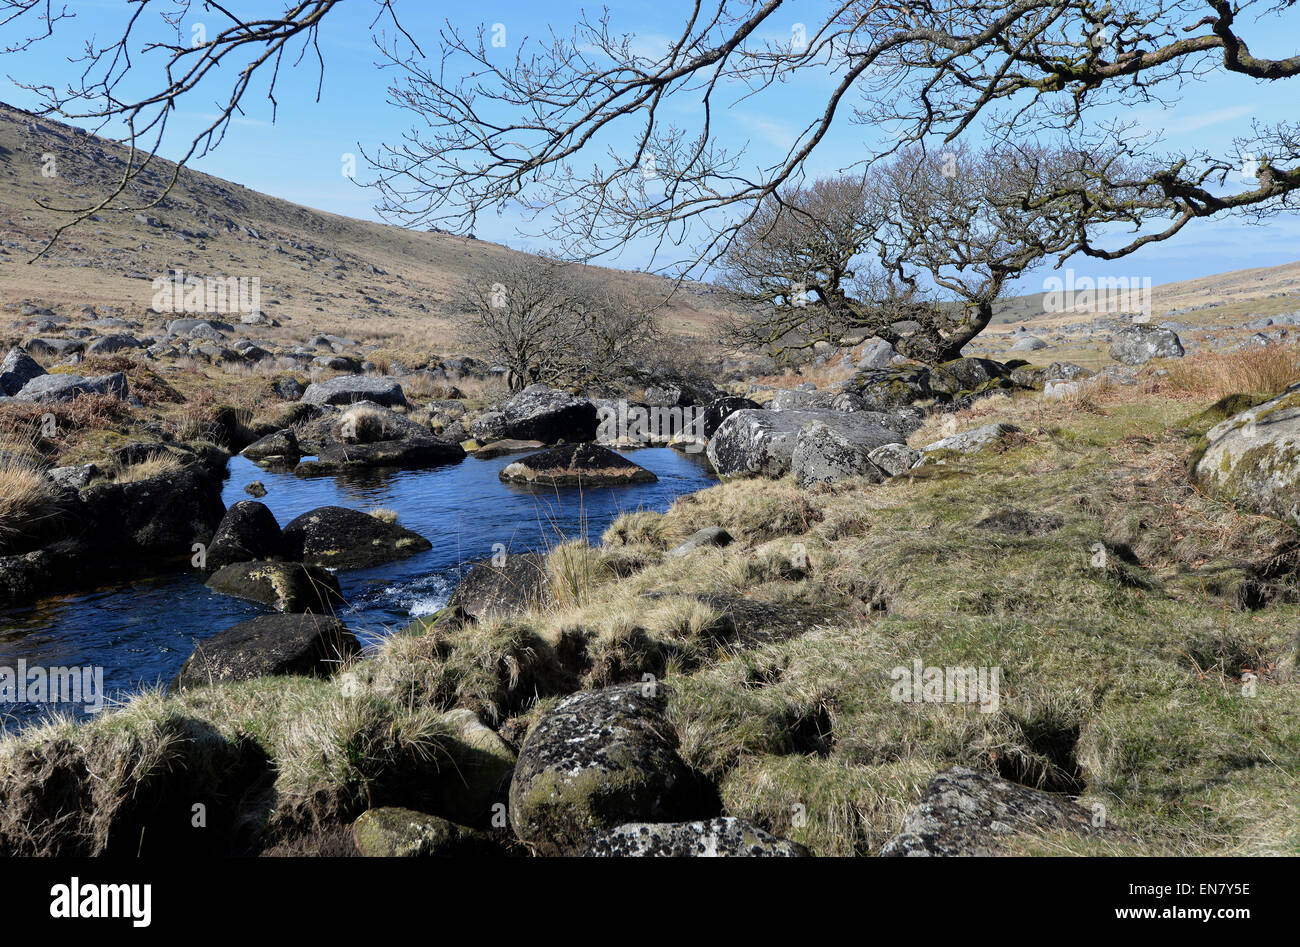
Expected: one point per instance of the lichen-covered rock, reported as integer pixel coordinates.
(339, 538)
(48, 388)
(763, 442)
(312, 645)
(284, 586)
(277, 449)
(157, 518)
(1136, 344)
(481, 778)
(247, 532)
(876, 353)
(576, 465)
(725, 837)
(347, 389)
(885, 389)
(517, 584)
(540, 413)
(597, 760)
(825, 456)
(965, 374)
(17, 370)
(392, 832)
(1253, 458)
(988, 437)
(894, 459)
(968, 813)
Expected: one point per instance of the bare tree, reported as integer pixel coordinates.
(924, 238)
(489, 133)
(549, 322)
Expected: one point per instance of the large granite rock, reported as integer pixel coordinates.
(763, 442)
(1136, 344)
(161, 517)
(823, 456)
(311, 645)
(17, 370)
(246, 533)
(521, 582)
(1253, 458)
(348, 389)
(548, 415)
(284, 586)
(49, 388)
(595, 761)
(339, 538)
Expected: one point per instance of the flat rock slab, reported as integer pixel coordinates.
(348, 389)
(507, 446)
(412, 452)
(576, 465)
(311, 645)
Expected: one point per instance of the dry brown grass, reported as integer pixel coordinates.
(1262, 369)
(26, 496)
(147, 469)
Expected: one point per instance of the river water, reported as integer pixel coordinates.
(141, 632)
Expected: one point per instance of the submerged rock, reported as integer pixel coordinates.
(311, 645)
(284, 586)
(507, 446)
(340, 538)
(715, 838)
(576, 465)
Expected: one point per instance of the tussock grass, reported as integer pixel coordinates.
(1254, 369)
(155, 465)
(26, 496)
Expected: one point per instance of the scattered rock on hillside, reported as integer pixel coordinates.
(1137, 344)
(708, 536)
(597, 760)
(17, 370)
(988, 437)
(47, 388)
(519, 583)
(1253, 458)
(763, 442)
(339, 538)
(392, 832)
(312, 645)
(576, 465)
(284, 586)
(722, 837)
(968, 813)
(347, 389)
(824, 456)
(894, 459)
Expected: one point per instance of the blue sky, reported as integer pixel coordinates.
(299, 157)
